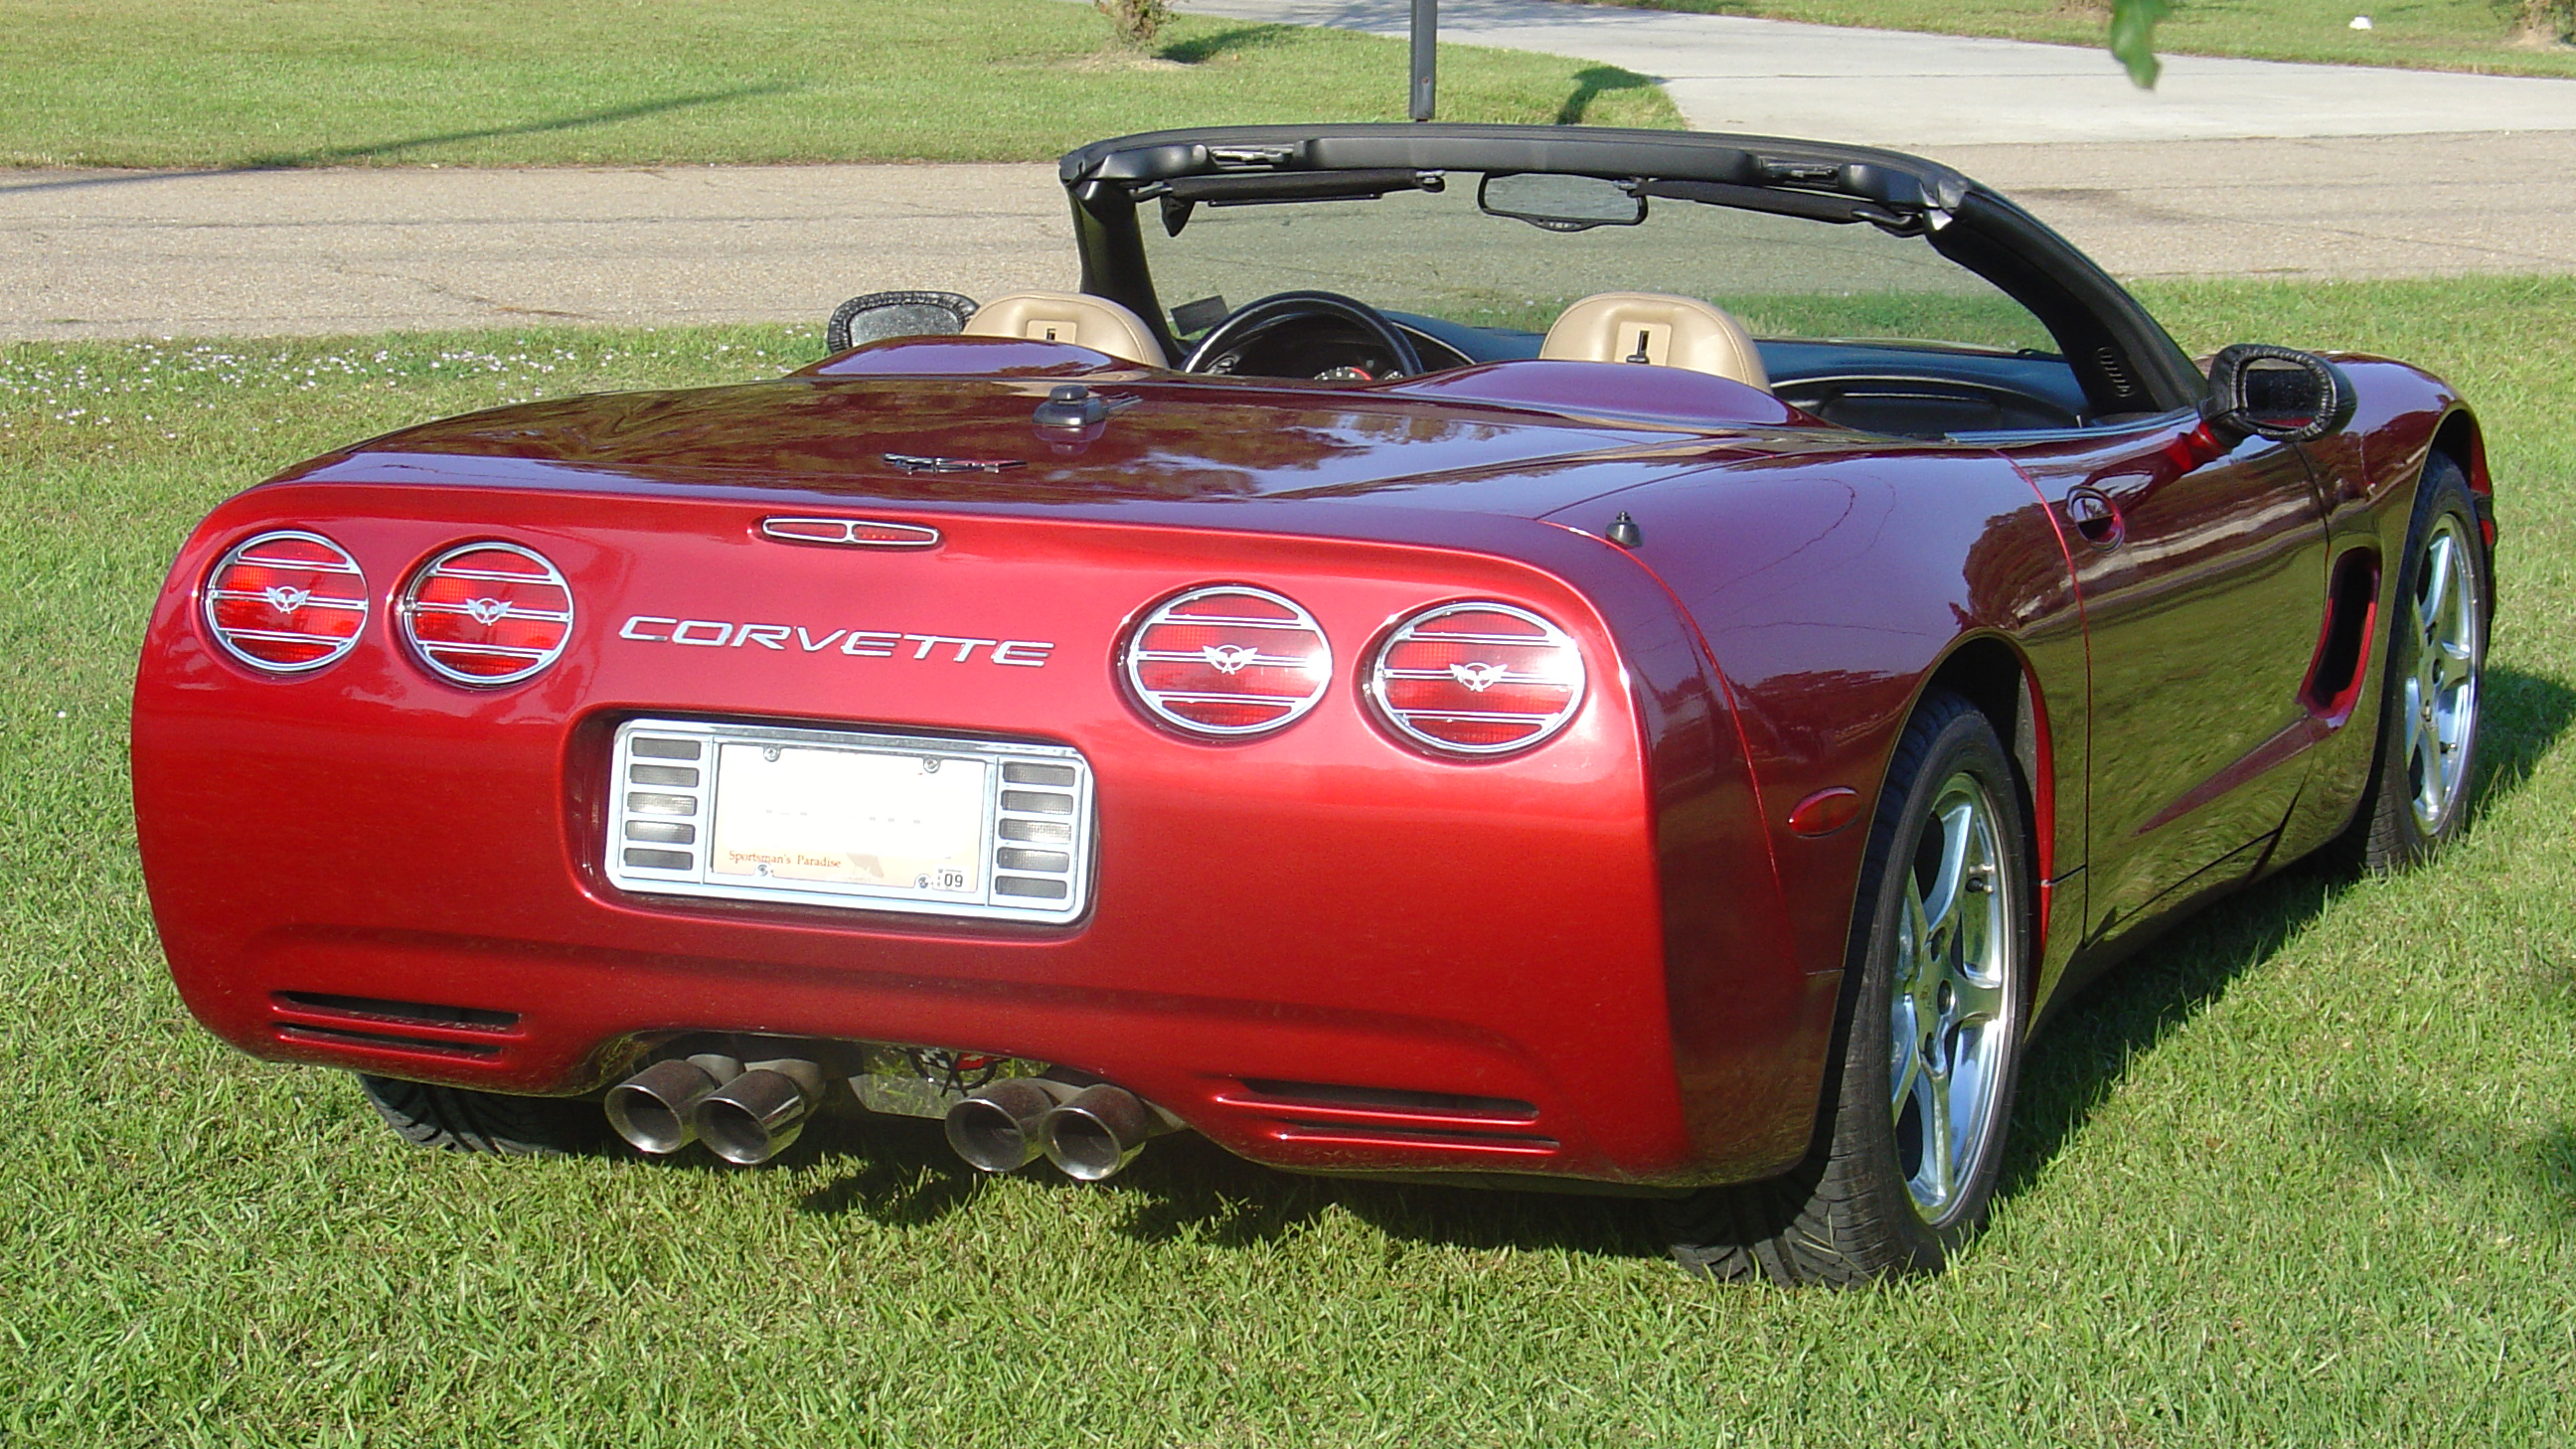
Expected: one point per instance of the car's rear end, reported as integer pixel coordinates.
(1349, 849)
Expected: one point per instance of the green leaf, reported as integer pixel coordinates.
(2133, 37)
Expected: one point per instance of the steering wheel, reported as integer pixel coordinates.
(1253, 321)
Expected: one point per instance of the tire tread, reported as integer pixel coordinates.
(458, 1119)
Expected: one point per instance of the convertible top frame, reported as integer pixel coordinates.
(2126, 362)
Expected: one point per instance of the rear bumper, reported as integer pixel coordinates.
(1322, 951)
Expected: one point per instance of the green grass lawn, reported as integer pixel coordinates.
(2304, 1175)
(2472, 35)
(220, 83)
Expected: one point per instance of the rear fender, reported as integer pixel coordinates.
(1830, 594)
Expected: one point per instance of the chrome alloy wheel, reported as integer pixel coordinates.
(2445, 622)
(1951, 1028)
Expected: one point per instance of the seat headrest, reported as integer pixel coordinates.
(1075, 317)
(1651, 327)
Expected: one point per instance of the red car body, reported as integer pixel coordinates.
(1617, 957)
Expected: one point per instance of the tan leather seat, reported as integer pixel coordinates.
(1651, 327)
(1086, 321)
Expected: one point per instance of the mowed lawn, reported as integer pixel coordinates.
(222, 83)
(2491, 36)
(2304, 1175)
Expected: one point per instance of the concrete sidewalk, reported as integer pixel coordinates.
(1913, 92)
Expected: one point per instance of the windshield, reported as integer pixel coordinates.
(1435, 254)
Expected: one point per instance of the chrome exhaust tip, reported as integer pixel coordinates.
(653, 1108)
(759, 1114)
(1097, 1131)
(1001, 1126)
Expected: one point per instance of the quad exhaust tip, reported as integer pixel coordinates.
(1098, 1131)
(745, 1114)
(1001, 1126)
(748, 1113)
(1089, 1133)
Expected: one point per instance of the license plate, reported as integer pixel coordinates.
(861, 821)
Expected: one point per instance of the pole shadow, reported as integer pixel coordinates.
(337, 155)
(1590, 83)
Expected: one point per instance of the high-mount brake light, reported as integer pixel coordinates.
(1229, 661)
(1477, 679)
(487, 614)
(286, 602)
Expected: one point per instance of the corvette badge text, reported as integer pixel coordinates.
(861, 643)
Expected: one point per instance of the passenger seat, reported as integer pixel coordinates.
(1075, 317)
(1656, 329)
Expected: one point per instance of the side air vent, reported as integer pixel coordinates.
(286, 602)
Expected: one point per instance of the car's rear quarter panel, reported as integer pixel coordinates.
(1831, 590)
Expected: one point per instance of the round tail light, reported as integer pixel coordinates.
(1229, 661)
(1477, 679)
(487, 613)
(286, 602)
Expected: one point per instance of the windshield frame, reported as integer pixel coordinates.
(2124, 360)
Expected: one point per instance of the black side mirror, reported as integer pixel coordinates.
(880, 315)
(2278, 393)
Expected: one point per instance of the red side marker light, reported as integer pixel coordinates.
(1825, 812)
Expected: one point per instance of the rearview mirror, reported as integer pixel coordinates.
(2278, 393)
(1560, 203)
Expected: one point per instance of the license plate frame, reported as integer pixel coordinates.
(816, 816)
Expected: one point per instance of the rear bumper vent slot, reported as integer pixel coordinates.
(372, 1024)
(1511, 1144)
(387, 1042)
(1393, 1118)
(1386, 1102)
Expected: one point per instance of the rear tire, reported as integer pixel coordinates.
(454, 1119)
(2425, 769)
(1911, 1147)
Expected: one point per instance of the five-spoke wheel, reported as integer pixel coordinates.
(1938, 984)
(1951, 1018)
(2437, 644)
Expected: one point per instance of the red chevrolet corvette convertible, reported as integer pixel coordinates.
(1629, 662)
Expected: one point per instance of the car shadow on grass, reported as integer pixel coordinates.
(2081, 1055)
(901, 1173)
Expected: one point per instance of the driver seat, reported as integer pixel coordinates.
(1075, 317)
(1653, 328)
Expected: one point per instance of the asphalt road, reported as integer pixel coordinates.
(2232, 168)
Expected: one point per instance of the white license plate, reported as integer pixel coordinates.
(923, 824)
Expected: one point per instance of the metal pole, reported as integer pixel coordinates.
(1426, 34)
